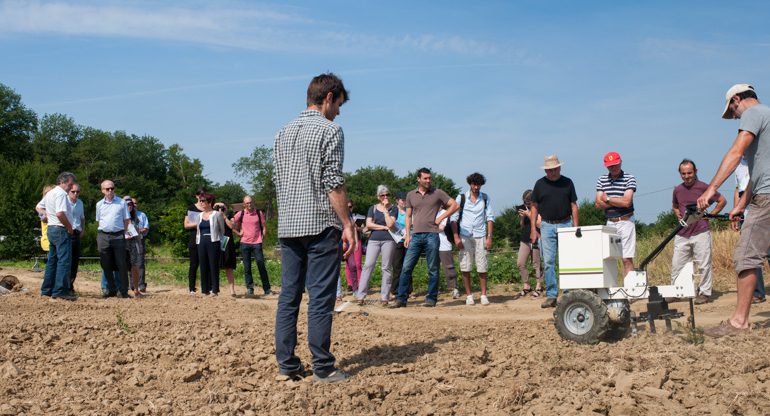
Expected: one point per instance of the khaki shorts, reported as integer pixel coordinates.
(473, 251)
(626, 230)
(751, 251)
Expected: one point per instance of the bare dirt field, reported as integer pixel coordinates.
(171, 353)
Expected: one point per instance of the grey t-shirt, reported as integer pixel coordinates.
(756, 120)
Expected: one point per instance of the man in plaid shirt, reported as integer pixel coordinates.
(312, 218)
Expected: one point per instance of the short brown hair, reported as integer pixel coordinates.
(322, 85)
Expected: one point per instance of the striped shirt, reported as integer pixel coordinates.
(307, 158)
(616, 188)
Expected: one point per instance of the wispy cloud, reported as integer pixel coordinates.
(658, 48)
(236, 82)
(253, 27)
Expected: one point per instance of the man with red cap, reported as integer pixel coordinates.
(615, 195)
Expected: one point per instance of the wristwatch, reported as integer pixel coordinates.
(607, 200)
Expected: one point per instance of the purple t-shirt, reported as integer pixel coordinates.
(684, 196)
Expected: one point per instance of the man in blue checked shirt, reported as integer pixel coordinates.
(312, 218)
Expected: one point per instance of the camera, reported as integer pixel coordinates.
(521, 207)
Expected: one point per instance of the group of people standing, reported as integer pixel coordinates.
(212, 244)
(120, 239)
(315, 227)
(417, 225)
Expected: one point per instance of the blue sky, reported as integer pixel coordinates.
(489, 86)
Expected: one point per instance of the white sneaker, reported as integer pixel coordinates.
(469, 300)
(455, 294)
(192, 293)
(484, 300)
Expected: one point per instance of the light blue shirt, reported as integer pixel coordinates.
(474, 222)
(111, 215)
(142, 222)
(78, 214)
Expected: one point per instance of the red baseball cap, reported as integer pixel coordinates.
(611, 159)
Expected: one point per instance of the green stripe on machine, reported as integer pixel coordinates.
(582, 270)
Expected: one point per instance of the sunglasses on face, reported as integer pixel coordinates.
(381, 195)
(108, 189)
(74, 192)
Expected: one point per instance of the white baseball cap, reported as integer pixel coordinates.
(732, 92)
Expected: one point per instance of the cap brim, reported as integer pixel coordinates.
(727, 114)
(606, 165)
(552, 167)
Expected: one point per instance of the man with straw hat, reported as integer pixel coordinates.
(555, 200)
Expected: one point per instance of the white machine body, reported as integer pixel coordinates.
(591, 262)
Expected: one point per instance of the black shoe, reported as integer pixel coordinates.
(107, 294)
(399, 304)
(250, 292)
(294, 375)
(428, 304)
(124, 296)
(143, 289)
(64, 297)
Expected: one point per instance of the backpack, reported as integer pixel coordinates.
(259, 222)
(448, 230)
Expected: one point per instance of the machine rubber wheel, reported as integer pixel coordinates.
(581, 316)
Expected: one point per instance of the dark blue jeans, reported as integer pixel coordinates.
(312, 262)
(420, 243)
(256, 249)
(113, 283)
(56, 280)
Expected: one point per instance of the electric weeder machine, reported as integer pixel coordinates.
(594, 307)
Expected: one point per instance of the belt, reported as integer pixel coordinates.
(111, 232)
(57, 226)
(559, 221)
(621, 218)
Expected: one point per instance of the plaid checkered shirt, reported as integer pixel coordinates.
(307, 158)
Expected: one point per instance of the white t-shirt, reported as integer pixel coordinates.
(56, 201)
(742, 175)
(444, 244)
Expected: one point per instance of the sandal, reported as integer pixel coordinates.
(536, 293)
(524, 292)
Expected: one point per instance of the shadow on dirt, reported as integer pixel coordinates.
(764, 324)
(383, 355)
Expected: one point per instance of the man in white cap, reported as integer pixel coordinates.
(555, 200)
(615, 195)
(752, 142)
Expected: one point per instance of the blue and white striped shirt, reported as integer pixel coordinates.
(616, 188)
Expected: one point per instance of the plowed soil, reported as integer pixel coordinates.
(172, 353)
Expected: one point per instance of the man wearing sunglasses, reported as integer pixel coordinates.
(78, 222)
(113, 218)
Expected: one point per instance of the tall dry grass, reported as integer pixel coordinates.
(722, 246)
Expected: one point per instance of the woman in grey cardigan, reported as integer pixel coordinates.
(379, 220)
